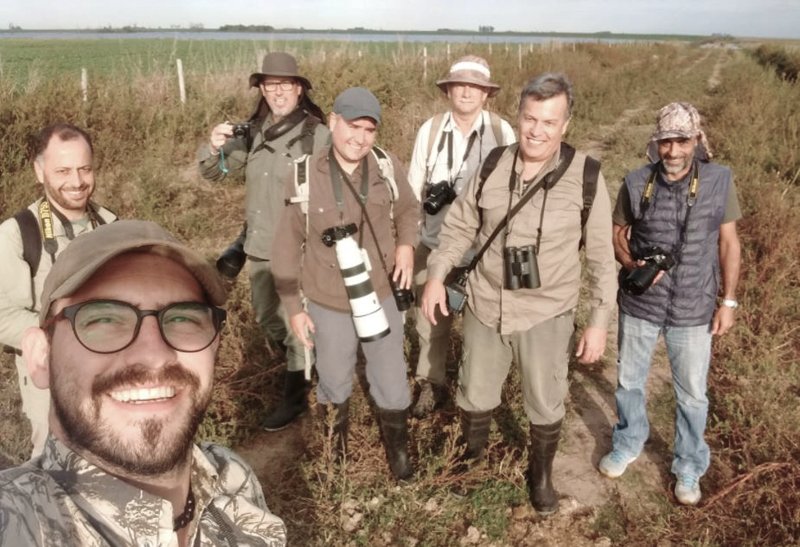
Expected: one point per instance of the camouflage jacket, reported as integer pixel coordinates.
(59, 499)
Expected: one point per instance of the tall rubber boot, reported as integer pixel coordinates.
(544, 442)
(340, 427)
(475, 429)
(394, 430)
(293, 404)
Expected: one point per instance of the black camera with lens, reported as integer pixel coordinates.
(231, 260)
(337, 233)
(241, 131)
(404, 298)
(638, 280)
(438, 195)
(520, 268)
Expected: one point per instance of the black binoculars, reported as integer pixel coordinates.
(520, 268)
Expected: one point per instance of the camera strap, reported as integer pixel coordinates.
(547, 182)
(280, 128)
(691, 199)
(361, 199)
(448, 136)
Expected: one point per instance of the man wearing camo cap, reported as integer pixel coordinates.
(127, 338)
(675, 236)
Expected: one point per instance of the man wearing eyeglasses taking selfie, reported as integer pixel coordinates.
(127, 339)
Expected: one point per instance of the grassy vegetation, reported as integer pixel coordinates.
(146, 140)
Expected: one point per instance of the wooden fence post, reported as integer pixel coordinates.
(84, 84)
(181, 84)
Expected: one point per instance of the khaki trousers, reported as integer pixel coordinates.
(542, 352)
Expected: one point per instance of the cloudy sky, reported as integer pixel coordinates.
(755, 18)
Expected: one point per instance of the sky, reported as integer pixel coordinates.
(742, 18)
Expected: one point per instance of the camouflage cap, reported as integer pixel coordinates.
(678, 120)
(89, 252)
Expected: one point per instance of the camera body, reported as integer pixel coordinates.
(241, 131)
(369, 318)
(638, 280)
(334, 234)
(404, 298)
(438, 195)
(520, 268)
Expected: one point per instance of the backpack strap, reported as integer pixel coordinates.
(591, 173)
(497, 128)
(436, 126)
(31, 239)
(386, 169)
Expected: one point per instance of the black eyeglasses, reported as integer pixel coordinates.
(109, 326)
(285, 85)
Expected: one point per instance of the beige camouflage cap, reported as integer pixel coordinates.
(89, 252)
(678, 120)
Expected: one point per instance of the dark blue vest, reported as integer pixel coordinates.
(686, 295)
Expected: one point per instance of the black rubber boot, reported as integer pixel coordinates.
(293, 404)
(475, 429)
(544, 442)
(394, 430)
(340, 425)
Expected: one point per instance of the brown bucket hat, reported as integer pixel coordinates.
(470, 69)
(278, 64)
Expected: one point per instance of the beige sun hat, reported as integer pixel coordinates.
(470, 69)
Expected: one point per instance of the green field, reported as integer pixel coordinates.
(145, 141)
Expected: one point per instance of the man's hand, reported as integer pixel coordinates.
(302, 327)
(219, 135)
(723, 320)
(403, 266)
(434, 295)
(591, 345)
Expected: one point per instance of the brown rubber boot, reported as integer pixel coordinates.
(544, 442)
(340, 426)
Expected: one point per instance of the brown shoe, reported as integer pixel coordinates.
(426, 400)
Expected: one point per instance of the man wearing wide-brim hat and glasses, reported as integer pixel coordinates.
(285, 125)
(448, 150)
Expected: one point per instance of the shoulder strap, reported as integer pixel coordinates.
(496, 122)
(591, 172)
(31, 239)
(306, 136)
(547, 182)
(436, 126)
(488, 167)
(387, 171)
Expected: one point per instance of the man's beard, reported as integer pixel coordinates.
(150, 455)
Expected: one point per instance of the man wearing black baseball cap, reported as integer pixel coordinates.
(351, 191)
(285, 125)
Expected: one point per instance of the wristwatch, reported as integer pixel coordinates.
(730, 303)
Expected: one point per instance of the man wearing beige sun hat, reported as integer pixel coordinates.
(449, 148)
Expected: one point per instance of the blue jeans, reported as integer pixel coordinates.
(689, 352)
